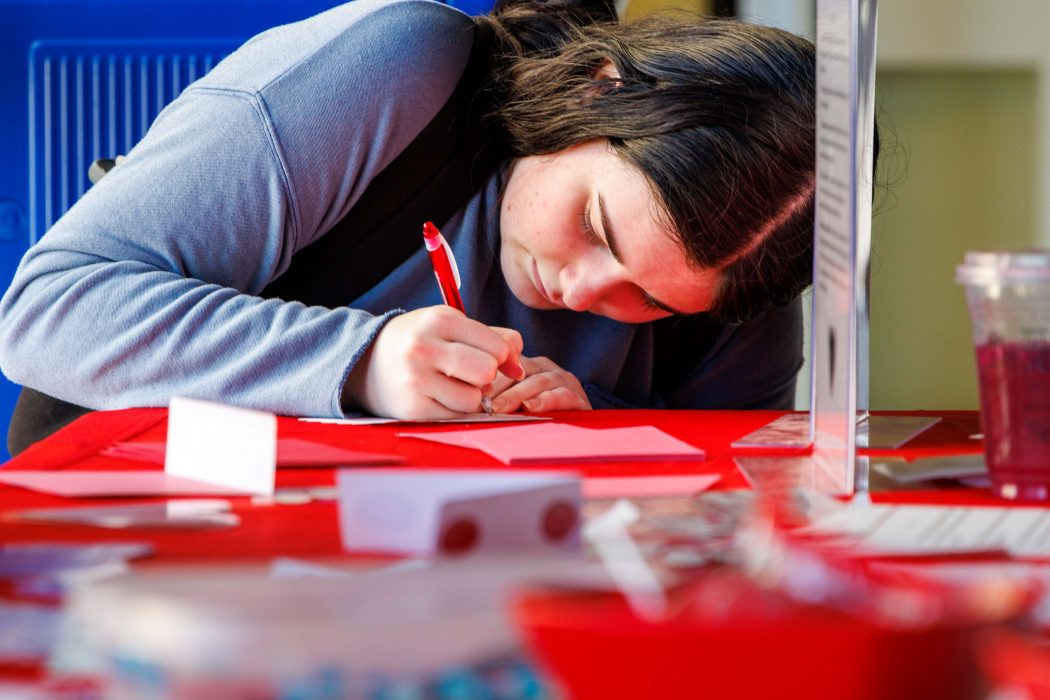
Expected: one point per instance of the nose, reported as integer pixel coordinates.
(586, 283)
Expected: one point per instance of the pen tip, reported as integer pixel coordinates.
(430, 230)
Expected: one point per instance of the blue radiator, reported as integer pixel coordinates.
(84, 79)
(94, 99)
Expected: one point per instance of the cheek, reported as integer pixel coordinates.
(524, 227)
(535, 210)
(515, 218)
(514, 251)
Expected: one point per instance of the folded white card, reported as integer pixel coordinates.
(212, 450)
(223, 445)
(410, 511)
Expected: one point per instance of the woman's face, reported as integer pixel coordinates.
(581, 230)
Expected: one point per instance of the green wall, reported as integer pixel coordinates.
(959, 164)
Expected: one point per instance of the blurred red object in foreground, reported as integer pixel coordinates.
(798, 616)
(1018, 666)
(756, 646)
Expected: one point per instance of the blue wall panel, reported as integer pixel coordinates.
(93, 99)
(83, 79)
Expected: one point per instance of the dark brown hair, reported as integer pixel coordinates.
(717, 114)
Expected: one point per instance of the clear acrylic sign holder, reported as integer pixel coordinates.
(838, 419)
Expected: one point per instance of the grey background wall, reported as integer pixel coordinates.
(963, 90)
(962, 174)
(964, 86)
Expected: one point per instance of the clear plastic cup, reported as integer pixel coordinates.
(1008, 294)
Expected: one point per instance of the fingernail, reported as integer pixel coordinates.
(531, 404)
(521, 373)
(498, 405)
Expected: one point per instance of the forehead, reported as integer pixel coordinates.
(646, 239)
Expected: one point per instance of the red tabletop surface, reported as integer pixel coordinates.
(312, 529)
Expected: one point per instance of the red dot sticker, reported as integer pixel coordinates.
(559, 520)
(459, 536)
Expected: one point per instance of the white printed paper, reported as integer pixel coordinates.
(920, 530)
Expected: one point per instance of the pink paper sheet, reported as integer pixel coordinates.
(554, 442)
(291, 452)
(72, 484)
(647, 486)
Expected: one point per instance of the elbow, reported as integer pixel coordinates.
(15, 328)
(26, 324)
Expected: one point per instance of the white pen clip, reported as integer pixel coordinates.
(451, 261)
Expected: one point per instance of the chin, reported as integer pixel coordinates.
(532, 299)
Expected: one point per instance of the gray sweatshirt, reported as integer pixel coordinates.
(146, 288)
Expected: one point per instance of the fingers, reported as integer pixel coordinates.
(557, 399)
(472, 346)
(431, 363)
(465, 363)
(503, 344)
(452, 394)
(546, 387)
(512, 366)
(475, 361)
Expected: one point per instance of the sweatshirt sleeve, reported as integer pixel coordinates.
(146, 288)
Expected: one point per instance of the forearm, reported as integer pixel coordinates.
(118, 334)
(145, 288)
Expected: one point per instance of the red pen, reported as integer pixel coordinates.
(444, 266)
(447, 274)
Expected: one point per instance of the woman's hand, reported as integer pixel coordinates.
(545, 387)
(432, 363)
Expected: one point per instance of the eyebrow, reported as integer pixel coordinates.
(610, 240)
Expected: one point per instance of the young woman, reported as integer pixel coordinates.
(652, 170)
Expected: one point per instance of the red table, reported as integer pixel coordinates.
(311, 530)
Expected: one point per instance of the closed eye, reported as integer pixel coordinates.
(588, 228)
(651, 304)
(648, 301)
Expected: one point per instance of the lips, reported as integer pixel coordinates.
(538, 283)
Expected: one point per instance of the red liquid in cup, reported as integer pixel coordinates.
(1015, 411)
